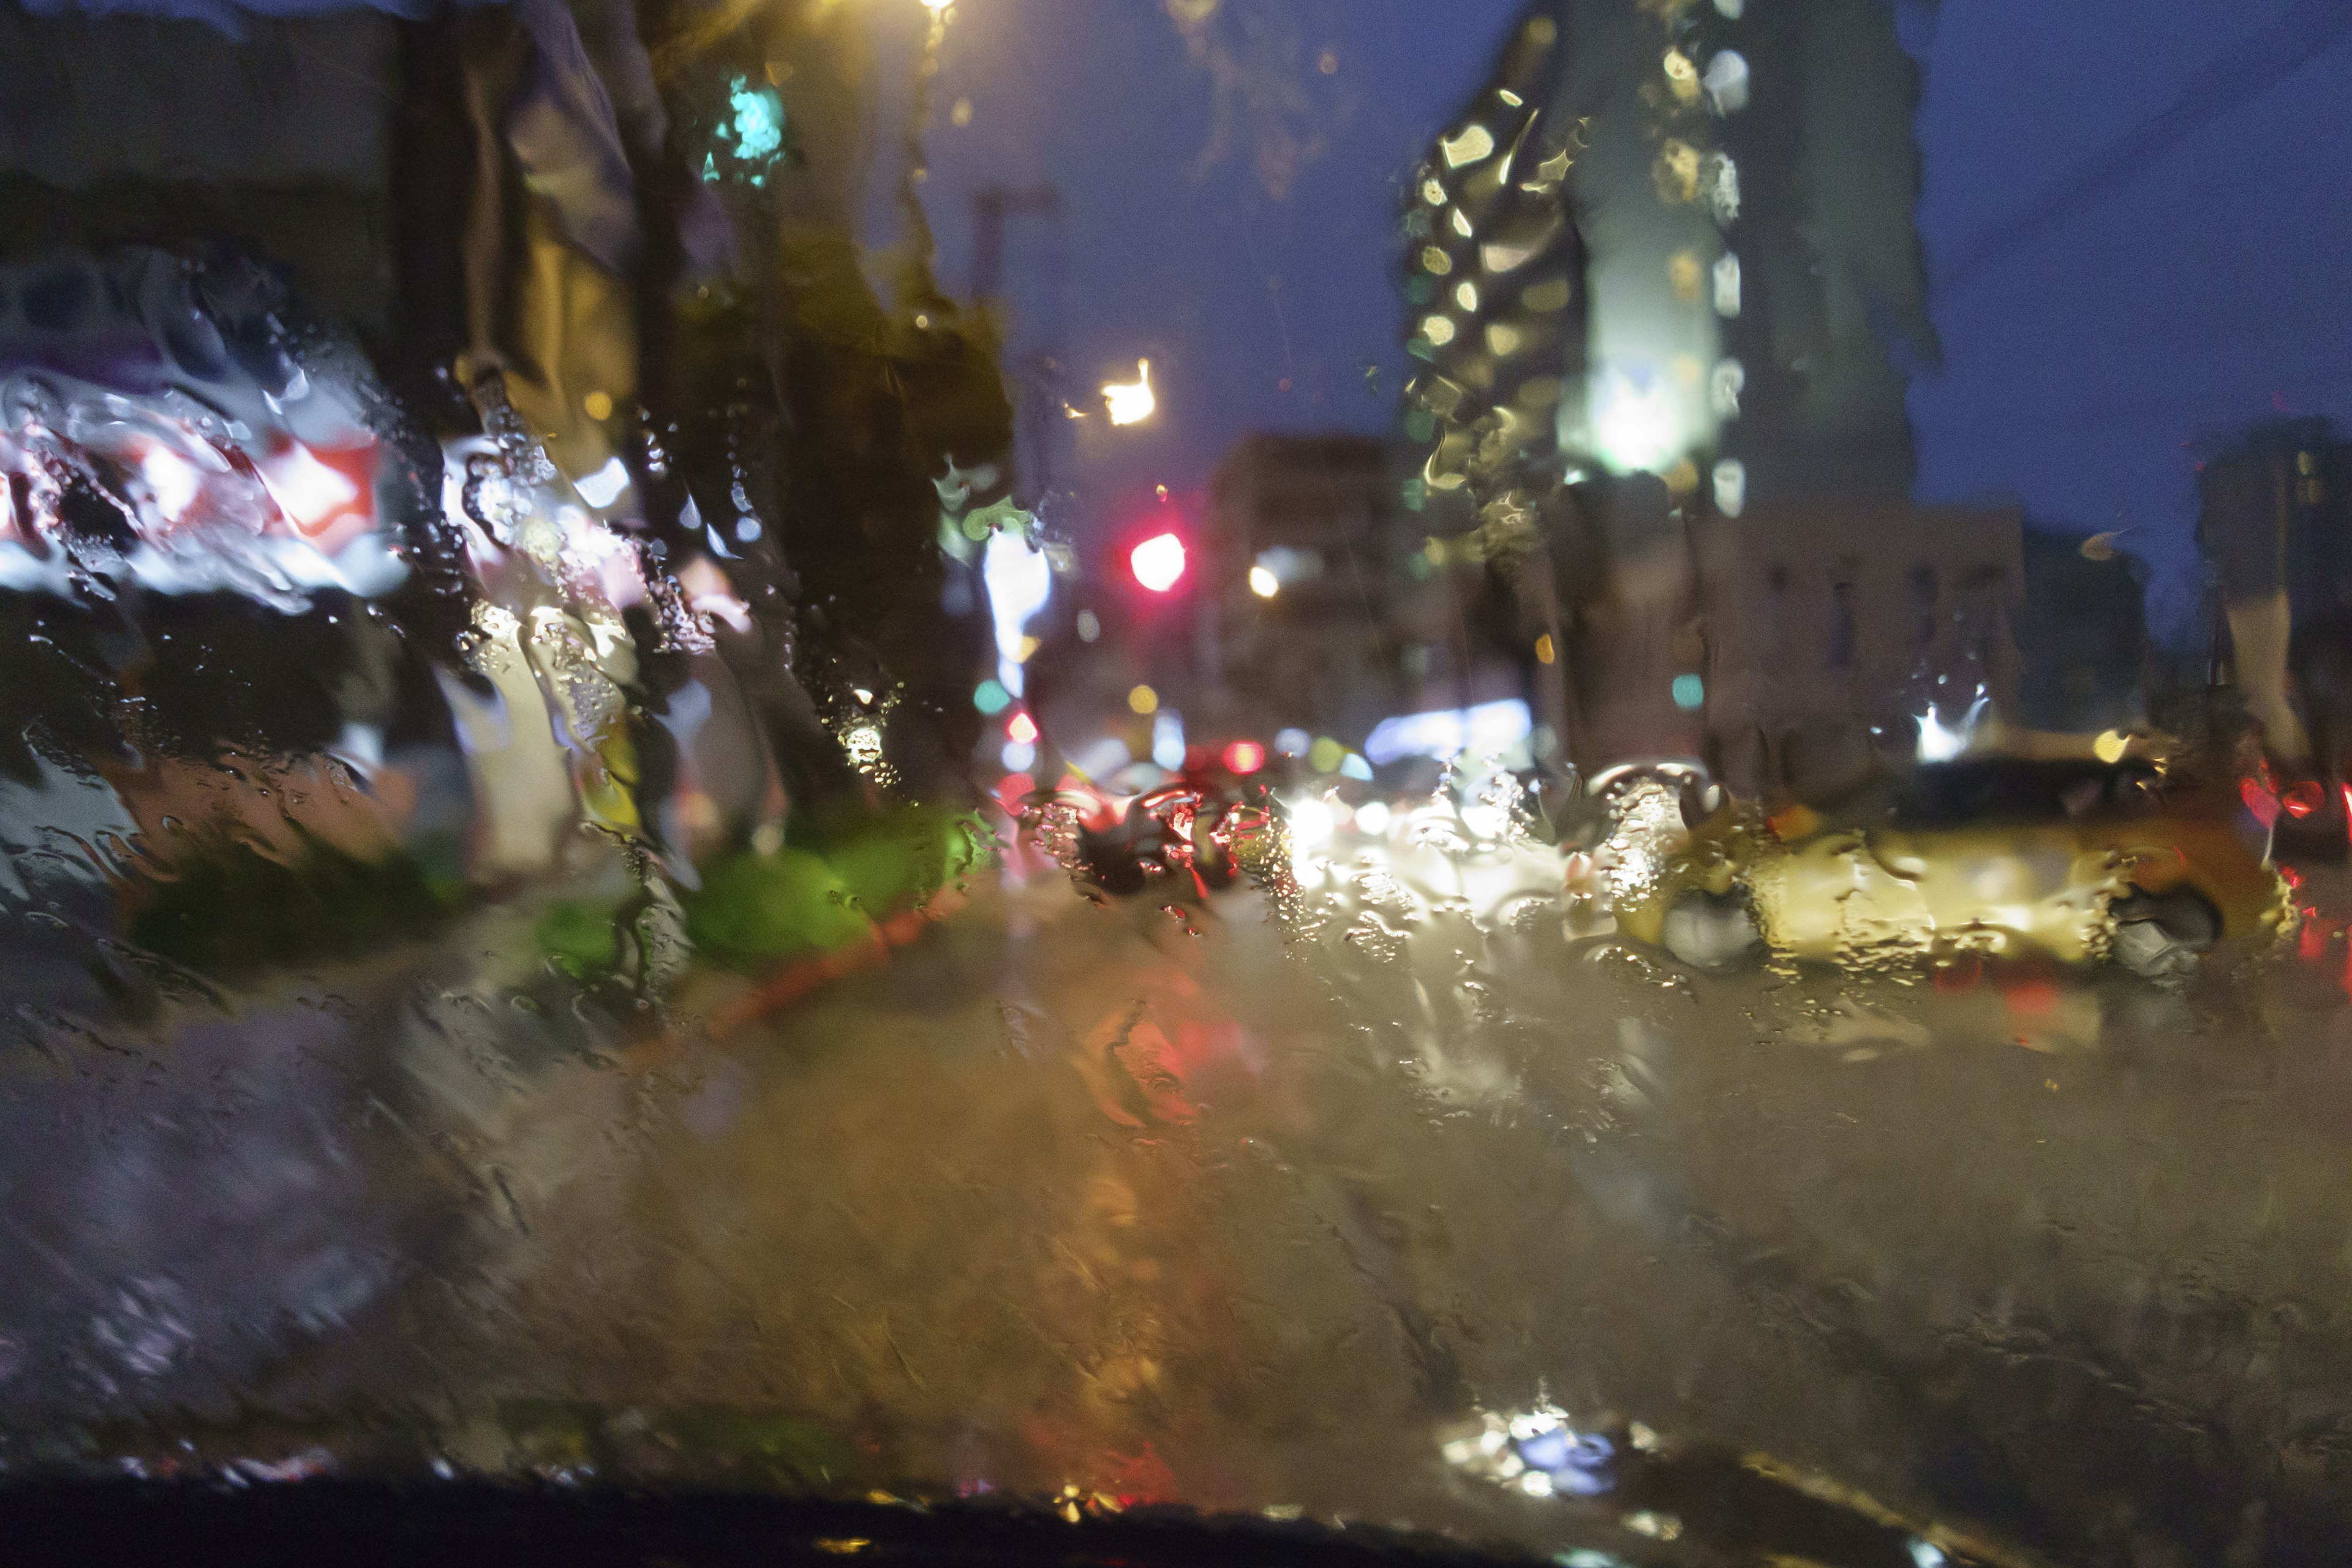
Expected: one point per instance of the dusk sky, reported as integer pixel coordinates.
(2150, 204)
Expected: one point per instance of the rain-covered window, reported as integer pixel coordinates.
(1176, 780)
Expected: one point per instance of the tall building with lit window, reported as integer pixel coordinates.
(1674, 235)
(1675, 238)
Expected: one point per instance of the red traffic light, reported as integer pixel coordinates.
(1159, 562)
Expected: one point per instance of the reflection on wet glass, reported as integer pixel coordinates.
(1574, 772)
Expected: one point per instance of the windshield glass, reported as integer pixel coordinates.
(1568, 772)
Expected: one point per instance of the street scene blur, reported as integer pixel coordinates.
(1571, 772)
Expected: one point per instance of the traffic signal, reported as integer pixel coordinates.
(1158, 563)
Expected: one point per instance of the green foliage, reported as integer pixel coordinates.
(754, 907)
(581, 940)
(904, 857)
(231, 908)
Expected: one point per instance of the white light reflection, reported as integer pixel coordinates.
(603, 487)
(1168, 739)
(1639, 426)
(305, 488)
(1482, 729)
(1726, 81)
(1727, 285)
(1535, 1452)
(1939, 742)
(1484, 822)
(1730, 487)
(172, 478)
(1019, 580)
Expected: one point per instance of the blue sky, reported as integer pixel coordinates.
(2090, 363)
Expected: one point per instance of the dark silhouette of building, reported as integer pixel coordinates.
(2276, 523)
(1301, 594)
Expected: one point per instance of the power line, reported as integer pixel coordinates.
(2308, 29)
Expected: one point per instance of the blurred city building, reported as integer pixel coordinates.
(1672, 237)
(2275, 522)
(1837, 633)
(1663, 274)
(2085, 664)
(615, 243)
(1296, 614)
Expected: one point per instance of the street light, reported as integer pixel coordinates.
(1130, 402)
(1264, 583)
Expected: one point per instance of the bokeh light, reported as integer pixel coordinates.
(1159, 562)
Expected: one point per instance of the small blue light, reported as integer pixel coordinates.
(759, 121)
(1690, 693)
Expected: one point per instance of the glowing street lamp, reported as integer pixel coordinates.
(1264, 583)
(1130, 402)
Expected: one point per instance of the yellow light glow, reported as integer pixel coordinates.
(1143, 699)
(1466, 294)
(1438, 330)
(1433, 259)
(1498, 256)
(1475, 142)
(2109, 747)
(1544, 653)
(1263, 584)
(1547, 297)
(1130, 402)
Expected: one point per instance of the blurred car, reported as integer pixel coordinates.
(1178, 839)
(2074, 859)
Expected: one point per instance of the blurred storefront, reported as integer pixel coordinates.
(648, 447)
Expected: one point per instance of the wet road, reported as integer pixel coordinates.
(1248, 1205)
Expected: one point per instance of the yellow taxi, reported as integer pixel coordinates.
(2075, 859)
